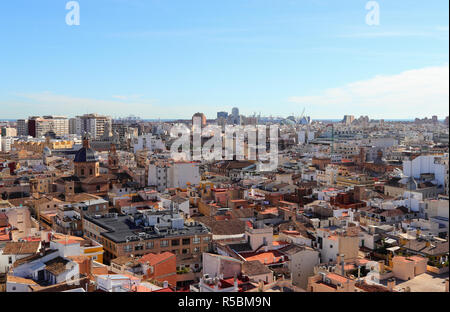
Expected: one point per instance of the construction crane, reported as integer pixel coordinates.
(303, 113)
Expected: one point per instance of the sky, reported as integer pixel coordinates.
(173, 58)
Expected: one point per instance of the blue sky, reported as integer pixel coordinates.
(172, 58)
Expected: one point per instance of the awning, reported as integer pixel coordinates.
(390, 241)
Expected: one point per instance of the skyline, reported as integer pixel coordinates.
(164, 60)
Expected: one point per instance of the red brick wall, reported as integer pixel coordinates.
(165, 271)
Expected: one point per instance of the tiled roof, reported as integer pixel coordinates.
(56, 266)
(337, 278)
(269, 257)
(222, 227)
(20, 280)
(434, 248)
(156, 258)
(254, 267)
(21, 248)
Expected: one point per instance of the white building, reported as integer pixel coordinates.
(301, 264)
(173, 175)
(91, 123)
(331, 244)
(148, 142)
(6, 143)
(305, 136)
(424, 164)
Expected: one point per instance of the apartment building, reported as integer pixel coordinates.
(41, 126)
(22, 127)
(154, 232)
(93, 124)
(173, 174)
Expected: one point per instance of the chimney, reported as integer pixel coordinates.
(343, 264)
(381, 266)
(391, 284)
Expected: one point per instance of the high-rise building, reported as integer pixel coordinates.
(91, 123)
(9, 132)
(235, 118)
(48, 125)
(73, 126)
(202, 118)
(222, 115)
(348, 119)
(22, 127)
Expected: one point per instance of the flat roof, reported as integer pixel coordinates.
(118, 229)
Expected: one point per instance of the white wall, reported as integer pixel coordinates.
(425, 164)
(302, 266)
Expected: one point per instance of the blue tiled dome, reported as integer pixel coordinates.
(86, 155)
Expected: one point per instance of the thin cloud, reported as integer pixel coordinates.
(415, 92)
(48, 102)
(386, 34)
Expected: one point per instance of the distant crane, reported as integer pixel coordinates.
(303, 114)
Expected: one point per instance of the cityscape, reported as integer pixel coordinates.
(92, 203)
(229, 154)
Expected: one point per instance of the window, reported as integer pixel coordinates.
(164, 243)
(150, 245)
(196, 240)
(331, 246)
(206, 239)
(127, 248)
(9, 260)
(196, 249)
(185, 251)
(186, 241)
(138, 247)
(175, 242)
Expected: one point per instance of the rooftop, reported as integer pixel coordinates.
(120, 228)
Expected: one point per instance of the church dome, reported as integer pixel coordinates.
(86, 155)
(47, 151)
